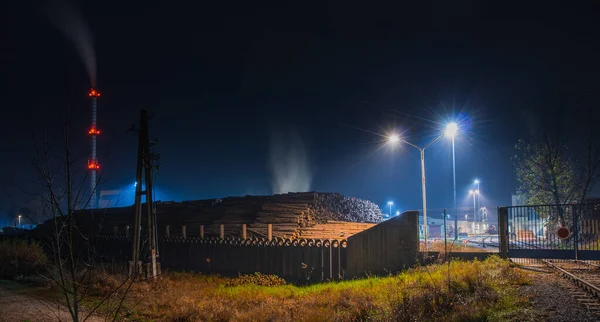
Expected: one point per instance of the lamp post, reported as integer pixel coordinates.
(451, 130)
(474, 193)
(20, 221)
(390, 203)
(477, 182)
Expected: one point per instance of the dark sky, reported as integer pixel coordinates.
(223, 78)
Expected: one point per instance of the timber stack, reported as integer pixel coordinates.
(293, 215)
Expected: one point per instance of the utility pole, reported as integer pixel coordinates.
(145, 165)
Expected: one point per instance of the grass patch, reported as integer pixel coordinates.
(477, 291)
(20, 258)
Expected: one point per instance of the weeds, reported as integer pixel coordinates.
(257, 279)
(480, 290)
(20, 258)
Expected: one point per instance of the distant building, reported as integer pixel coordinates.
(110, 198)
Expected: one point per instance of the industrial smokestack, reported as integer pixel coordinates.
(93, 164)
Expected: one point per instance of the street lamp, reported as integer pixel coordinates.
(398, 213)
(450, 131)
(19, 221)
(477, 182)
(390, 203)
(474, 193)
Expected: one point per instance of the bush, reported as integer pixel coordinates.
(257, 279)
(20, 258)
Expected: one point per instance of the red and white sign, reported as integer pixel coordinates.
(563, 233)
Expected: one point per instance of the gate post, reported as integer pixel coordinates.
(575, 230)
(503, 231)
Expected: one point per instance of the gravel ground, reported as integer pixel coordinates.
(552, 296)
(18, 305)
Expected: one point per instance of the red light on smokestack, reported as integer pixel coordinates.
(93, 165)
(94, 131)
(94, 93)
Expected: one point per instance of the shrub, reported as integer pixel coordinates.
(257, 279)
(20, 258)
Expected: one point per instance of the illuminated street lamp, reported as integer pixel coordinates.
(475, 194)
(390, 203)
(20, 221)
(398, 213)
(450, 131)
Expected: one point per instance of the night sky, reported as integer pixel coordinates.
(225, 80)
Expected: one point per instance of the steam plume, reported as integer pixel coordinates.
(289, 163)
(66, 17)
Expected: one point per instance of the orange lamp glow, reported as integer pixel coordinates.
(93, 165)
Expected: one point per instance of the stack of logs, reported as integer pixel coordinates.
(293, 215)
(315, 215)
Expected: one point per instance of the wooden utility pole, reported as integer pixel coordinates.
(145, 164)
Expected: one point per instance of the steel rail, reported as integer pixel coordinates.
(588, 264)
(594, 290)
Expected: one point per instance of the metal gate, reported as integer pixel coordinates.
(552, 231)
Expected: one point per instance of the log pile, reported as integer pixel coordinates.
(334, 206)
(293, 215)
(315, 215)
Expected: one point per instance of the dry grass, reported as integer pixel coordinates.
(477, 290)
(20, 258)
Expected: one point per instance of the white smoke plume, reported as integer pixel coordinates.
(289, 163)
(66, 17)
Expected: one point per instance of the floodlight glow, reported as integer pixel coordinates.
(397, 213)
(394, 138)
(476, 181)
(471, 192)
(390, 203)
(451, 129)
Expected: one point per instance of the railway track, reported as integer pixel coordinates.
(585, 278)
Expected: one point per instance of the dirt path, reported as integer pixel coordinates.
(17, 304)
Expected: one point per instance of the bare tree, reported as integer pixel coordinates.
(69, 238)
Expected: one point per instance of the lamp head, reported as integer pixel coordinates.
(451, 129)
(394, 138)
(390, 203)
(476, 181)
